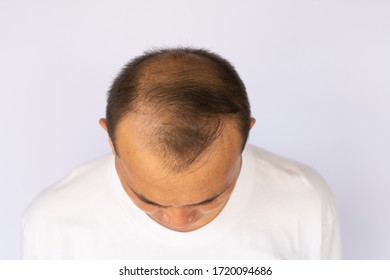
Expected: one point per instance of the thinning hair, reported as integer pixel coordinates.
(188, 94)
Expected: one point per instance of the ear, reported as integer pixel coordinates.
(253, 121)
(103, 124)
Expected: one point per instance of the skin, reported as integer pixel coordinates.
(183, 201)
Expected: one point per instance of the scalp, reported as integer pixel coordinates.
(185, 97)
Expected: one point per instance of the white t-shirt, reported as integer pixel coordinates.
(279, 209)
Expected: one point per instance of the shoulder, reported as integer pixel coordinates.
(290, 199)
(76, 190)
(284, 175)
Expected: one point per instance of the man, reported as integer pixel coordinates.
(182, 183)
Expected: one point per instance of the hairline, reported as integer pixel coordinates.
(223, 120)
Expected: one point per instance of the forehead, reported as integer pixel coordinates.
(143, 171)
(183, 189)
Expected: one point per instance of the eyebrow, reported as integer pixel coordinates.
(207, 201)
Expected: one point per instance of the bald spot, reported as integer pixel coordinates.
(166, 68)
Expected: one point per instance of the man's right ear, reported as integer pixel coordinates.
(103, 124)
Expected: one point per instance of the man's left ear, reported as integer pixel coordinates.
(253, 121)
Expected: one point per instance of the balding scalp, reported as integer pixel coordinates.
(187, 93)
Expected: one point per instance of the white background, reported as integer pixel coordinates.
(317, 73)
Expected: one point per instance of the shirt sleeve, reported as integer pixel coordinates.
(331, 240)
(28, 245)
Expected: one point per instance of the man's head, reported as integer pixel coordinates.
(178, 120)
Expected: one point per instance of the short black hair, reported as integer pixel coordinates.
(190, 91)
